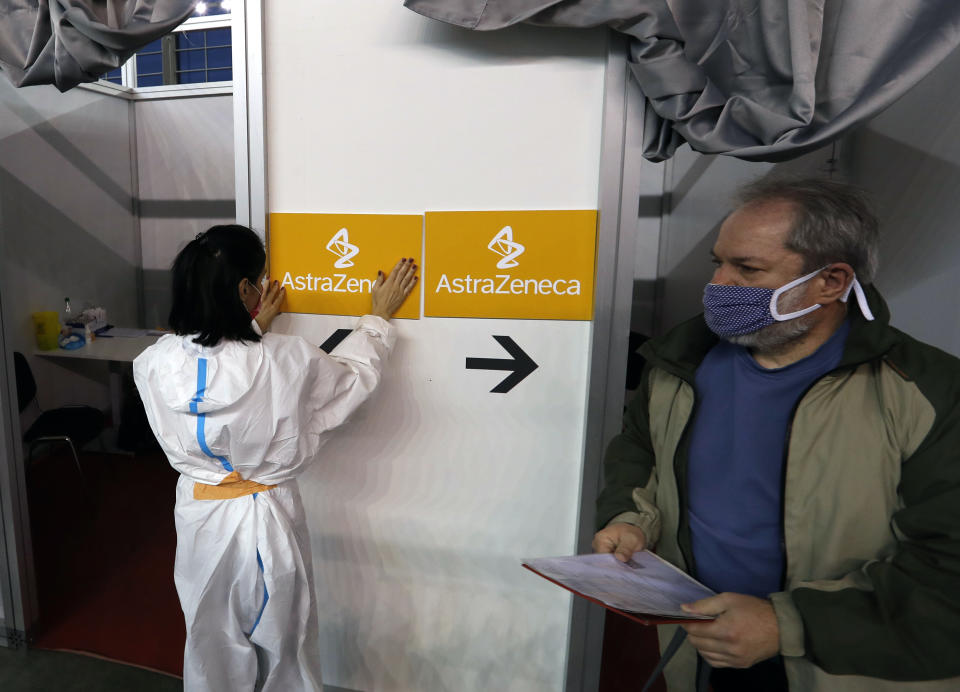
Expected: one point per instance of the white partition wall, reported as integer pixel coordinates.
(908, 159)
(68, 221)
(185, 184)
(422, 507)
(67, 229)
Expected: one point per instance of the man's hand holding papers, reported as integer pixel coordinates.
(623, 540)
(744, 632)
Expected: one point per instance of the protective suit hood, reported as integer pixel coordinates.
(230, 370)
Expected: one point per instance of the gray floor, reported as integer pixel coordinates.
(54, 671)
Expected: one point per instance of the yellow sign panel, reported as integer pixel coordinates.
(329, 262)
(510, 264)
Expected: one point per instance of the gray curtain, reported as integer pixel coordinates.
(763, 80)
(67, 42)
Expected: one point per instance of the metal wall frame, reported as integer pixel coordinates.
(17, 585)
(621, 155)
(249, 117)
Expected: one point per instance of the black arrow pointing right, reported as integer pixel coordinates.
(521, 364)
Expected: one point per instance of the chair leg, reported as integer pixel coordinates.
(76, 460)
(87, 490)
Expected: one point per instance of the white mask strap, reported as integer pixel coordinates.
(861, 298)
(786, 287)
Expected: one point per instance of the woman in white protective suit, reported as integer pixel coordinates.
(240, 413)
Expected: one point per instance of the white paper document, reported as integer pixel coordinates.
(646, 584)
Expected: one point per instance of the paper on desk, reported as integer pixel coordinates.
(646, 584)
(124, 332)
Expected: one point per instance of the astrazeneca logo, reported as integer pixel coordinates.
(341, 246)
(503, 245)
(505, 284)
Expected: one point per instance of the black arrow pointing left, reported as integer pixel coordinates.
(521, 364)
(334, 340)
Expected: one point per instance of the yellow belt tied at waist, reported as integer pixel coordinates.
(231, 487)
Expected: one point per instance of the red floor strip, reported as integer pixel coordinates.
(104, 558)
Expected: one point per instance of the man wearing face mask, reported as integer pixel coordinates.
(801, 457)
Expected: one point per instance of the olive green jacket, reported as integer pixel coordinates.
(870, 510)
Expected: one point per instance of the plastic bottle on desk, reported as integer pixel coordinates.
(68, 338)
(66, 317)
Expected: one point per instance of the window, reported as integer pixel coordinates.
(203, 56)
(114, 76)
(199, 51)
(149, 63)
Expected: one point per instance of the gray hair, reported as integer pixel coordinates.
(833, 222)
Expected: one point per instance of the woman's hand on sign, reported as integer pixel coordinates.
(270, 305)
(389, 292)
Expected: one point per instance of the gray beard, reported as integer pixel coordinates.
(779, 336)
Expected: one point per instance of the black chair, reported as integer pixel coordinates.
(73, 425)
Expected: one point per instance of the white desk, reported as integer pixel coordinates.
(118, 351)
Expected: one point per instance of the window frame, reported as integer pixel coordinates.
(128, 70)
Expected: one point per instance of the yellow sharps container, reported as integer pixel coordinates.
(46, 326)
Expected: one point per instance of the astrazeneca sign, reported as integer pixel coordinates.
(328, 262)
(492, 264)
(510, 264)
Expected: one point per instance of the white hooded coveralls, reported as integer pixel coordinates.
(243, 568)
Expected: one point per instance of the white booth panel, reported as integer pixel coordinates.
(372, 107)
(422, 507)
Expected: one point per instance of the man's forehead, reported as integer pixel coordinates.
(757, 229)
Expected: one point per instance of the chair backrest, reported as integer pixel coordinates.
(26, 385)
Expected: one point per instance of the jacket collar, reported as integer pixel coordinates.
(681, 350)
(869, 340)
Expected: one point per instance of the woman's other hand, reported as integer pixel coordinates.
(270, 305)
(389, 292)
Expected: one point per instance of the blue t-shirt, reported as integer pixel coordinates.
(737, 452)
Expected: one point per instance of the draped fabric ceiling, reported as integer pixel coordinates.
(68, 42)
(762, 80)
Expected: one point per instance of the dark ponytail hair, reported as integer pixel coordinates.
(206, 275)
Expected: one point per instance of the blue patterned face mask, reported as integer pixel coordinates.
(736, 310)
